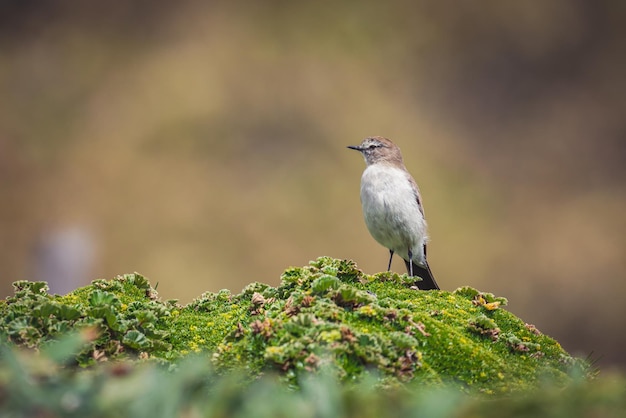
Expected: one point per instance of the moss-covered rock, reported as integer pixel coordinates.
(326, 315)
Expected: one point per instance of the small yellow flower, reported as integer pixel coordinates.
(274, 353)
(367, 310)
(492, 306)
(274, 350)
(330, 336)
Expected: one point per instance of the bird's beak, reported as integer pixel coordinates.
(355, 147)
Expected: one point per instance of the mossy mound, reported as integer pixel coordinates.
(326, 315)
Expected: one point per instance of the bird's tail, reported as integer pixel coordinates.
(428, 281)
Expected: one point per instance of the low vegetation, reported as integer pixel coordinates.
(360, 342)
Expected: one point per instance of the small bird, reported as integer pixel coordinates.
(392, 207)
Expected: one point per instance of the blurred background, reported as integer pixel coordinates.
(203, 144)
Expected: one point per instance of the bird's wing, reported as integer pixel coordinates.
(418, 197)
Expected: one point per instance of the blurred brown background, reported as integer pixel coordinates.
(203, 145)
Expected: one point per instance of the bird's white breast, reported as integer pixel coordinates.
(391, 210)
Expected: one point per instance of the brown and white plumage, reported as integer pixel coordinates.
(392, 207)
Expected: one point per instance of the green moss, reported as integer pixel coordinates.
(119, 318)
(328, 315)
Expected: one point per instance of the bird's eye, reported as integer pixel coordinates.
(372, 146)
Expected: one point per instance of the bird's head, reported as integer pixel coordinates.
(377, 149)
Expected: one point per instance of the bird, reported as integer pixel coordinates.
(392, 207)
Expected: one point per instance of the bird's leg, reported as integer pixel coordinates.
(410, 262)
(390, 258)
